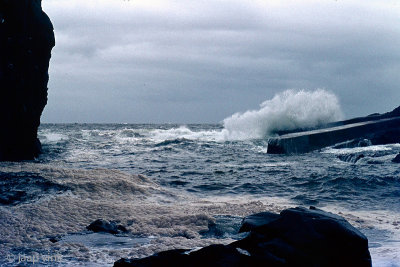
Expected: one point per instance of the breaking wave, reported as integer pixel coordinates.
(291, 109)
(288, 110)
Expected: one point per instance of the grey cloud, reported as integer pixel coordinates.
(218, 57)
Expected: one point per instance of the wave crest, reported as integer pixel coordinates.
(289, 110)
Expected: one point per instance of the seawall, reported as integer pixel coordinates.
(380, 131)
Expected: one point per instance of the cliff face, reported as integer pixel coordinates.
(26, 40)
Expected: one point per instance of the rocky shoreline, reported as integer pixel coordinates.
(295, 237)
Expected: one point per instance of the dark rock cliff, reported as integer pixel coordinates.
(26, 40)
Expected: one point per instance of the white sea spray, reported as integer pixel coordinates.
(288, 110)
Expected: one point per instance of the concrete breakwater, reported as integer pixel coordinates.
(378, 129)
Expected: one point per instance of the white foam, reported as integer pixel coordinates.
(388, 252)
(344, 151)
(51, 137)
(133, 200)
(184, 132)
(181, 132)
(386, 256)
(288, 110)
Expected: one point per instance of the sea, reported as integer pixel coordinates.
(182, 186)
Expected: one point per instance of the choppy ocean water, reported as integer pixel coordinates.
(192, 177)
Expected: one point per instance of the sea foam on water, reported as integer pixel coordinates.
(195, 191)
(288, 110)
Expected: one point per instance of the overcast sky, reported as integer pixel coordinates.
(201, 61)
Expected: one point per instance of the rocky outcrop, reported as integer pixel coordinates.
(376, 129)
(104, 226)
(396, 159)
(255, 220)
(26, 40)
(295, 237)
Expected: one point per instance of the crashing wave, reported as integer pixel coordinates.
(291, 109)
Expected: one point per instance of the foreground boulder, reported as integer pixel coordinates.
(105, 226)
(255, 220)
(295, 237)
(26, 40)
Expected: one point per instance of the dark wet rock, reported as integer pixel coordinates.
(295, 237)
(255, 220)
(302, 237)
(384, 137)
(396, 159)
(22, 187)
(223, 227)
(352, 158)
(166, 258)
(106, 227)
(54, 239)
(26, 40)
(176, 141)
(213, 255)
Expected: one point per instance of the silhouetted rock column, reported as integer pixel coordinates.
(26, 40)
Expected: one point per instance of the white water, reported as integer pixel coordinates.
(161, 218)
(167, 220)
(288, 110)
(171, 217)
(186, 133)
